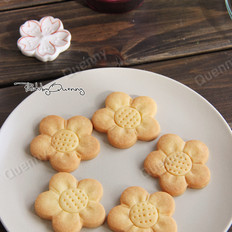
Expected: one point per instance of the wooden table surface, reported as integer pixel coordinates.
(189, 41)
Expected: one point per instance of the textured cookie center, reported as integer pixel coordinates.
(65, 141)
(178, 163)
(73, 200)
(144, 214)
(127, 117)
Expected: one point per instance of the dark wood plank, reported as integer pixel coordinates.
(15, 4)
(210, 75)
(9, 99)
(158, 30)
(215, 69)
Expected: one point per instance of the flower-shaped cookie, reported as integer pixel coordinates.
(65, 142)
(178, 164)
(70, 204)
(45, 39)
(125, 120)
(141, 212)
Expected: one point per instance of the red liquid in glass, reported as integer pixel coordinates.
(114, 6)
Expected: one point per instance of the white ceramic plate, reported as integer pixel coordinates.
(180, 111)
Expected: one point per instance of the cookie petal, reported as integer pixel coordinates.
(138, 229)
(198, 176)
(93, 215)
(65, 162)
(49, 25)
(51, 124)
(30, 28)
(118, 219)
(28, 43)
(88, 148)
(117, 100)
(80, 125)
(92, 188)
(67, 222)
(148, 130)
(133, 195)
(103, 120)
(47, 205)
(170, 143)
(145, 105)
(197, 150)
(60, 38)
(122, 137)
(174, 185)
(45, 48)
(41, 147)
(154, 163)
(163, 202)
(164, 224)
(62, 181)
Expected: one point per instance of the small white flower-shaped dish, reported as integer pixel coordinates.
(45, 39)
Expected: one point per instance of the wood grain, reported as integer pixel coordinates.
(15, 4)
(217, 90)
(9, 99)
(158, 30)
(208, 74)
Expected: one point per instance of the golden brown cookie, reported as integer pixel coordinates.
(65, 142)
(178, 164)
(70, 204)
(141, 211)
(125, 119)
